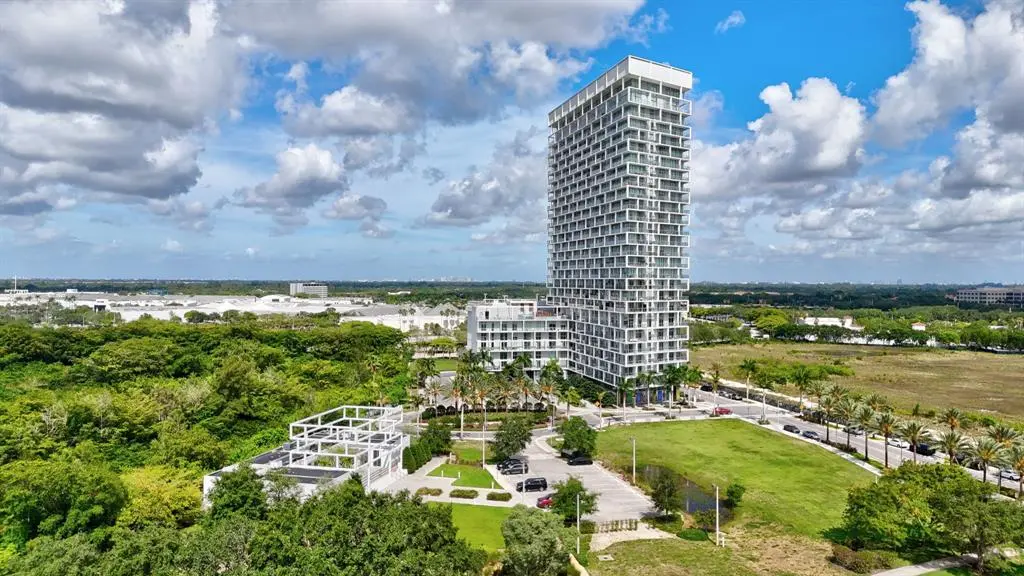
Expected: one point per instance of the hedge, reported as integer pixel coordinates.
(424, 491)
(862, 561)
(463, 493)
(499, 496)
(414, 456)
(693, 534)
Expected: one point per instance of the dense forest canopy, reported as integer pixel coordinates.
(112, 428)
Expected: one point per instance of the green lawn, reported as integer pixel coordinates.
(480, 525)
(468, 452)
(468, 476)
(445, 364)
(669, 557)
(789, 482)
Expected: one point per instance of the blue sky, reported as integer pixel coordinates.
(837, 141)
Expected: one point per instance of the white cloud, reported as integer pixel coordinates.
(171, 245)
(733, 20)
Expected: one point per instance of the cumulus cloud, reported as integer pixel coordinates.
(171, 245)
(734, 20)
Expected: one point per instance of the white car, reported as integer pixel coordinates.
(898, 443)
(1010, 475)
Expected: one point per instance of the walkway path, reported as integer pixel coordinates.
(925, 568)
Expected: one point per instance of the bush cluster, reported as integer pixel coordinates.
(415, 455)
(693, 534)
(499, 496)
(862, 561)
(424, 491)
(464, 493)
(588, 527)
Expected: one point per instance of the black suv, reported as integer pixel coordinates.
(925, 450)
(516, 468)
(532, 485)
(579, 460)
(791, 429)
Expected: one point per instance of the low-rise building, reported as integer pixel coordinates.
(991, 295)
(318, 289)
(844, 322)
(508, 328)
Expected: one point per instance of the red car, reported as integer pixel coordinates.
(720, 411)
(546, 501)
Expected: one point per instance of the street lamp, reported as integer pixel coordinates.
(718, 534)
(577, 523)
(633, 439)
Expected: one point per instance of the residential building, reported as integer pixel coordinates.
(317, 289)
(509, 328)
(991, 296)
(618, 208)
(844, 322)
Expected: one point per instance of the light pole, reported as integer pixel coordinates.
(577, 523)
(634, 459)
(718, 535)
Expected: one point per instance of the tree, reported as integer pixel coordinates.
(551, 379)
(865, 418)
(734, 494)
(437, 437)
(563, 502)
(887, 426)
(536, 543)
(666, 491)
(953, 442)
(749, 367)
(1015, 460)
(986, 452)
(916, 434)
(829, 406)
(1007, 437)
(425, 371)
(801, 375)
(578, 436)
(513, 435)
(239, 491)
(953, 418)
(673, 377)
(159, 496)
(847, 411)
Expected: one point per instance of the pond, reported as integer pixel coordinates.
(694, 498)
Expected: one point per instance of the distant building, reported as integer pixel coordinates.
(317, 289)
(991, 296)
(844, 322)
(919, 326)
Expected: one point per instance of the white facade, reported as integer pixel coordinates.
(510, 328)
(618, 207)
(317, 289)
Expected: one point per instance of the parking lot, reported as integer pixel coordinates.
(616, 499)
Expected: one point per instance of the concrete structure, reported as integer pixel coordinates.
(844, 322)
(328, 448)
(618, 197)
(317, 289)
(991, 296)
(509, 328)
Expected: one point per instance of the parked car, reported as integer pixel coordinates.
(513, 460)
(811, 435)
(532, 485)
(546, 501)
(898, 443)
(925, 450)
(515, 469)
(853, 431)
(791, 429)
(720, 411)
(706, 388)
(1010, 475)
(580, 460)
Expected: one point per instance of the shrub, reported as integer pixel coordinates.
(861, 561)
(424, 491)
(705, 519)
(693, 534)
(734, 494)
(499, 496)
(588, 527)
(463, 493)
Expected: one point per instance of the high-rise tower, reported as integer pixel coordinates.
(618, 199)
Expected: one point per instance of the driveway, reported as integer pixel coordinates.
(616, 499)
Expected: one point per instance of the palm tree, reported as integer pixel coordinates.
(693, 377)
(480, 392)
(748, 367)
(716, 370)
(599, 402)
(462, 388)
(953, 442)
(673, 377)
(865, 418)
(953, 418)
(627, 388)
(986, 452)
(887, 425)
(1015, 460)
(846, 409)
(916, 434)
(426, 368)
(877, 402)
(550, 381)
(801, 376)
(829, 406)
(433, 388)
(816, 390)
(1006, 437)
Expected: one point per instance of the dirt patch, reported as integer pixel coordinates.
(770, 552)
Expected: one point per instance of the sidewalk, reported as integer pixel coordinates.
(927, 567)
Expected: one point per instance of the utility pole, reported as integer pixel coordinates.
(718, 535)
(634, 460)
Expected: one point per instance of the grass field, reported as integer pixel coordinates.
(468, 476)
(468, 452)
(667, 558)
(445, 364)
(976, 381)
(480, 525)
(790, 483)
